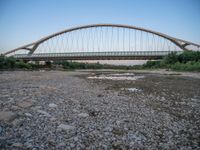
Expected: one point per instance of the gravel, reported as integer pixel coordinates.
(78, 110)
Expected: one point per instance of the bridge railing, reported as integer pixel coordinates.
(99, 54)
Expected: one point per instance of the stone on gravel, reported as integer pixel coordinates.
(53, 119)
(65, 127)
(75, 110)
(25, 104)
(7, 116)
(83, 115)
(44, 113)
(75, 139)
(118, 131)
(28, 115)
(1, 129)
(17, 145)
(72, 145)
(28, 145)
(52, 105)
(15, 108)
(17, 122)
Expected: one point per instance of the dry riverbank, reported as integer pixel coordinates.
(99, 110)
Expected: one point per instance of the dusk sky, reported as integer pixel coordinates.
(25, 21)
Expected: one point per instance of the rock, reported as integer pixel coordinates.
(72, 145)
(83, 115)
(117, 145)
(7, 116)
(108, 129)
(44, 113)
(1, 130)
(52, 105)
(25, 104)
(93, 112)
(61, 144)
(75, 139)
(65, 127)
(53, 119)
(118, 131)
(51, 142)
(99, 95)
(28, 145)
(17, 145)
(36, 107)
(15, 108)
(17, 122)
(162, 99)
(118, 122)
(75, 110)
(28, 115)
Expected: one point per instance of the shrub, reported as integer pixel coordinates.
(171, 58)
(189, 56)
(1, 62)
(152, 64)
(7, 62)
(48, 63)
(23, 65)
(189, 66)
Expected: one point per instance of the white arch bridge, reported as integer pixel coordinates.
(102, 41)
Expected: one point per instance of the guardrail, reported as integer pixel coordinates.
(95, 55)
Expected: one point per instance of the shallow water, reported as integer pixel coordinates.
(122, 76)
(132, 89)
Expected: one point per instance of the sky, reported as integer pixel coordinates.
(25, 21)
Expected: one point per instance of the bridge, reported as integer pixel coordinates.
(102, 41)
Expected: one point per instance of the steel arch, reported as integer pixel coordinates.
(179, 42)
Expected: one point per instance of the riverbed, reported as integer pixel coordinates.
(103, 109)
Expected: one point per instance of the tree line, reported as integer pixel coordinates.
(186, 61)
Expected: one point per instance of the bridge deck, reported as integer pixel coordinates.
(95, 55)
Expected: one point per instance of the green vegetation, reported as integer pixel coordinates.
(11, 63)
(81, 65)
(186, 61)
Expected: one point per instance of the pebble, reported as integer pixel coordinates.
(7, 116)
(28, 145)
(1, 130)
(66, 127)
(17, 145)
(83, 115)
(75, 110)
(44, 113)
(15, 108)
(53, 119)
(75, 139)
(28, 115)
(17, 122)
(52, 105)
(25, 104)
(72, 145)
